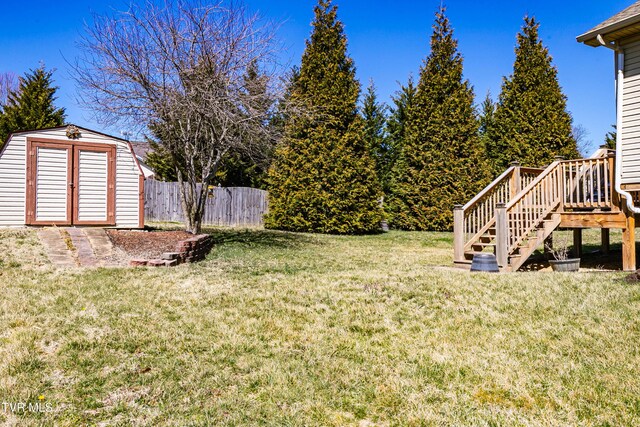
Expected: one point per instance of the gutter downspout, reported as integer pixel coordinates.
(619, 99)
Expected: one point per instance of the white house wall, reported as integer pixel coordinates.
(13, 177)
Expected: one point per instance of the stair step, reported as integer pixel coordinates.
(466, 265)
(484, 245)
(472, 253)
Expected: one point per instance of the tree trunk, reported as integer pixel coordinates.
(193, 202)
(194, 199)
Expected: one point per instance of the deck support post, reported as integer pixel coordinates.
(604, 241)
(515, 183)
(458, 233)
(629, 242)
(615, 197)
(502, 235)
(577, 242)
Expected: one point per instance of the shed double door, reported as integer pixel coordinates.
(70, 183)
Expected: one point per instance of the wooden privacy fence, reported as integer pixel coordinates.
(226, 206)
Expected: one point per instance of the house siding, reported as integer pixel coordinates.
(631, 115)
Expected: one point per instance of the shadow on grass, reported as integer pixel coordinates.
(245, 236)
(591, 258)
(264, 238)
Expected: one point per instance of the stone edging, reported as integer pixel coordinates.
(190, 250)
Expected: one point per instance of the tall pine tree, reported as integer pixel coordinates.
(531, 123)
(31, 106)
(374, 115)
(487, 111)
(485, 121)
(323, 178)
(403, 100)
(396, 125)
(441, 162)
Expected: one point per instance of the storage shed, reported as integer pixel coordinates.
(70, 175)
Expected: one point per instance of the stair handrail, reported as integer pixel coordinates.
(477, 216)
(506, 174)
(538, 205)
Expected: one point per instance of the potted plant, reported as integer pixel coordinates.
(561, 261)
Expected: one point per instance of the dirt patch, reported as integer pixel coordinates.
(147, 244)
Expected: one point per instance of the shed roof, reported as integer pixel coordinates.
(623, 24)
(135, 157)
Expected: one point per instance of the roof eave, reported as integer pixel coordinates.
(590, 37)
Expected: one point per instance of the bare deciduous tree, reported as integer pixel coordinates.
(181, 70)
(8, 84)
(581, 135)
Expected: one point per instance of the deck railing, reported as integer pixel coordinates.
(587, 183)
(566, 184)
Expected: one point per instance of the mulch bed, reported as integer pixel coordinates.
(147, 244)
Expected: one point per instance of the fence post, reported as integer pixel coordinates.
(502, 235)
(458, 233)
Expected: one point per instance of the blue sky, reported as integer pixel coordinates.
(387, 39)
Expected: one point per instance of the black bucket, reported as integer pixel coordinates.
(485, 262)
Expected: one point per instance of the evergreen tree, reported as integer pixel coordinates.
(322, 178)
(441, 162)
(374, 114)
(485, 121)
(403, 100)
(611, 137)
(487, 111)
(161, 162)
(31, 106)
(396, 125)
(531, 122)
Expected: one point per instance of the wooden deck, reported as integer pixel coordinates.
(519, 210)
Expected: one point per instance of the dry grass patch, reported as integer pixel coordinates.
(21, 248)
(295, 329)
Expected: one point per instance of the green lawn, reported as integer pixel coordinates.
(294, 329)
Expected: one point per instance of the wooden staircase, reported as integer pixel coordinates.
(514, 214)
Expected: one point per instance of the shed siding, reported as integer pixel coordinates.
(12, 176)
(92, 186)
(127, 189)
(631, 115)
